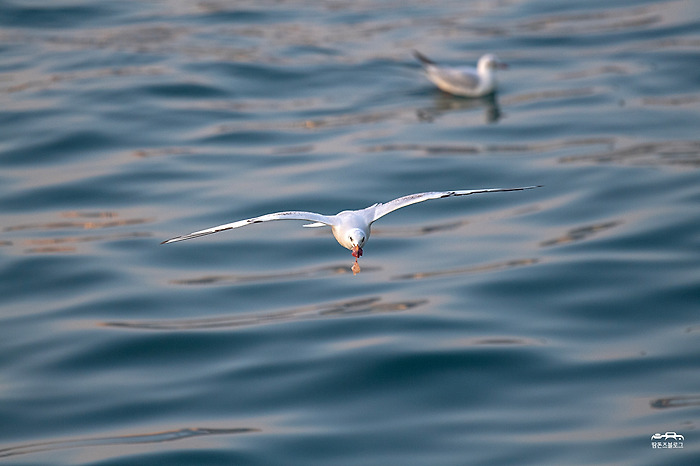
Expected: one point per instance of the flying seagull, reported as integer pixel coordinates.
(464, 81)
(351, 228)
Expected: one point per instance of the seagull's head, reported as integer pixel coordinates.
(355, 238)
(489, 63)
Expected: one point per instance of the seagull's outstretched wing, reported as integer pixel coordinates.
(381, 210)
(292, 215)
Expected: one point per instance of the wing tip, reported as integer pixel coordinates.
(422, 58)
(173, 240)
(522, 188)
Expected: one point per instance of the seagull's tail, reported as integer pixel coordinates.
(422, 58)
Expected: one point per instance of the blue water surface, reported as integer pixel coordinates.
(552, 326)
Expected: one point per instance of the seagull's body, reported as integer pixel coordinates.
(464, 81)
(351, 228)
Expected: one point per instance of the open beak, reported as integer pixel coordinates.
(356, 251)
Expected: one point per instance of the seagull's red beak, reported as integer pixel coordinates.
(356, 251)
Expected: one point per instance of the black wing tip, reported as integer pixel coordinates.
(488, 190)
(193, 235)
(523, 188)
(422, 58)
(179, 238)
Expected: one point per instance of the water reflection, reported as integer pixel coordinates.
(30, 82)
(75, 220)
(351, 119)
(676, 402)
(130, 439)
(674, 101)
(404, 232)
(311, 272)
(445, 103)
(550, 95)
(521, 148)
(365, 306)
(277, 123)
(494, 341)
(91, 224)
(162, 151)
(597, 71)
(580, 234)
(587, 23)
(469, 270)
(667, 153)
(65, 244)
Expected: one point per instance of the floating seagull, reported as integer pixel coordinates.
(464, 80)
(351, 228)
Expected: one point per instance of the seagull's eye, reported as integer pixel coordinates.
(351, 238)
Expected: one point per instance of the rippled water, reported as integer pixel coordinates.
(552, 326)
